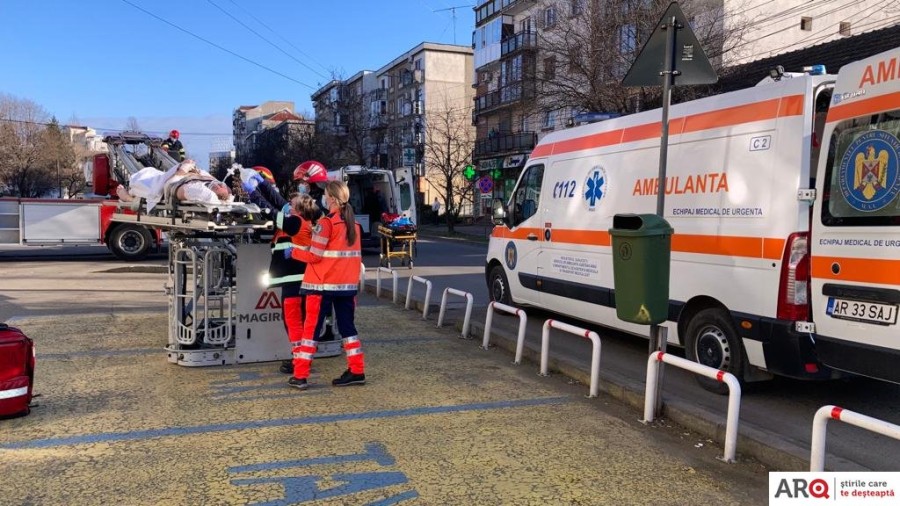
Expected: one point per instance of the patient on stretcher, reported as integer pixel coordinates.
(185, 182)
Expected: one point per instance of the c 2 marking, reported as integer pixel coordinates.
(760, 143)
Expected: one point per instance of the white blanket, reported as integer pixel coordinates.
(149, 183)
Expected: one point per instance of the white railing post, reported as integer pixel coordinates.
(469, 300)
(427, 294)
(578, 331)
(820, 426)
(523, 321)
(362, 278)
(393, 273)
(734, 394)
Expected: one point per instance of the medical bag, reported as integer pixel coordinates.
(16, 372)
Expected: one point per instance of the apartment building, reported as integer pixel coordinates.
(248, 122)
(381, 118)
(515, 67)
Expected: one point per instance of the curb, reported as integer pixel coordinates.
(769, 448)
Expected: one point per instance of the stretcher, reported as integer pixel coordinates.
(231, 218)
(397, 243)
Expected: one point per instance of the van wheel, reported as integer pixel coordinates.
(712, 341)
(130, 242)
(499, 286)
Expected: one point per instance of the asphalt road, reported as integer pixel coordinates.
(778, 413)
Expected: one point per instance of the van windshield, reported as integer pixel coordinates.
(862, 181)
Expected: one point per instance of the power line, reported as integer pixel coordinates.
(278, 35)
(213, 44)
(47, 123)
(238, 21)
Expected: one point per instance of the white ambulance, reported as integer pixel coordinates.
(374, 191)
(781, 263)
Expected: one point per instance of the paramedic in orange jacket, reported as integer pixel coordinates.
(332, 276)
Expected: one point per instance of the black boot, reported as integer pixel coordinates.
(348, 378)
(287, 367)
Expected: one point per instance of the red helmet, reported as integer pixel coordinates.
(174, 134)
(311, 171)
(265, 173)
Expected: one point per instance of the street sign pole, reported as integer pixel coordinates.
(668, 73)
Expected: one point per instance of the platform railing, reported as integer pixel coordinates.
(427, 302)
(578, 331)
(820, 426)
(469, 300)
(489, 320)
(396, 281)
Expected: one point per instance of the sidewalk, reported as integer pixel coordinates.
(479, 232)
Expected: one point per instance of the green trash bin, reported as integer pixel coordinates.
(641, 247)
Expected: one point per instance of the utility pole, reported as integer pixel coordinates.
(453, 15)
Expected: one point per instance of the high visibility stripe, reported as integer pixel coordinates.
(303, 355)
(863, 270)
(320, 239)
(308, 342)
(351, 339)
(341, 254)
(863, 107)
(330, 288)
(733, 246)
(719, 118)
(281, 246)
(279, 221)
(15, 392)
(354, 351)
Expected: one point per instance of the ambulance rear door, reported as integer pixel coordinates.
(855, 246)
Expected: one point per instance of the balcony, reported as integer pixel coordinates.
(518, 42)
(505, 143)
(378, 94)
(509, 94)
(490, 8)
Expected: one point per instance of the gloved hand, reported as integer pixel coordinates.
(251, 184)
(286, 209)
(288, 252)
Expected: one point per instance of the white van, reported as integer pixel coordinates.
(374, 191)
(739, 194)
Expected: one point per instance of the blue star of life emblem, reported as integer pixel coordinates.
(595, 186)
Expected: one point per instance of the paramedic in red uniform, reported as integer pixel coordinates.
(332, 275)
(290, 231)
(174, 146)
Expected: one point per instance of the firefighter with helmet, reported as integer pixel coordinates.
(290, 231)
(174, 146)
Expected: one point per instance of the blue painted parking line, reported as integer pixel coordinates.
(375, 452)
(106, 437)
(293, 393)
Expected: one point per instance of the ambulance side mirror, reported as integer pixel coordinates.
(498, 212)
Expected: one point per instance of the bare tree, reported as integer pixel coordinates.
(22, 168)
(587, 46)
(132, 125)
(449, 143)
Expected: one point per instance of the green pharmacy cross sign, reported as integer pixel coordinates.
(469, 173)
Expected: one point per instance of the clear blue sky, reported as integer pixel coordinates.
(102, 61)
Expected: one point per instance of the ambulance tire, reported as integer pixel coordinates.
(712, 341)
(499, 286)
(130, 242)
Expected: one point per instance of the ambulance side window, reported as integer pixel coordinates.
(527, 196)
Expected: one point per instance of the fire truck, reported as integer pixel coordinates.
(87, 221)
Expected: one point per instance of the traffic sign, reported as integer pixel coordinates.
(485, 184)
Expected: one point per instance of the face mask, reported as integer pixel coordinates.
(302, 188)
(324, 202)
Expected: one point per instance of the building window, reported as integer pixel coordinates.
(577, 8)
(549, 122)
(549, 17)
(627, 39)
(550, 69)
(806, 23)
(525, 25)
(844, 28)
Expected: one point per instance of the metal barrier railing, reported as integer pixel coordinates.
(393, 273)
(362, 278)
(427, 293)
(820, 426)
(734, 393)
(578, 331)
(488, 321)
(469, 300)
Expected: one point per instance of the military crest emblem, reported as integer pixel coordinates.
(869, 171)
(512, 256)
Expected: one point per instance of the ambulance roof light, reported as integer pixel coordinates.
(776, 72)
(815, 70)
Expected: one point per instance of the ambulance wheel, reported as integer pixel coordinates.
(499, 286)
(712, 341)
(130, 242)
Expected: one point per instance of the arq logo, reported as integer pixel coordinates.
(268, 300)
(797, 488)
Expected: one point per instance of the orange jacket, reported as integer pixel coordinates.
(291, 231)
(332, 265)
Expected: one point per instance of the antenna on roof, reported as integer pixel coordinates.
(453, 13)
